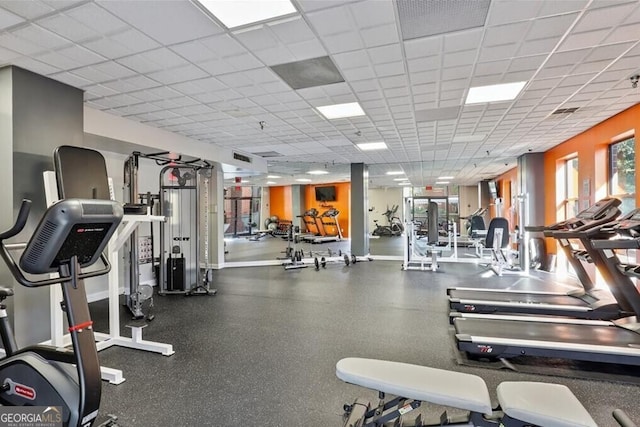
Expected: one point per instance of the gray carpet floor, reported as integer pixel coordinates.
(263, 351)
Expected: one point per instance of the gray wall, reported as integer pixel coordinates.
(41, 115)
(531, 183)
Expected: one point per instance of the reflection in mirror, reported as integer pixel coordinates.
(260, 210)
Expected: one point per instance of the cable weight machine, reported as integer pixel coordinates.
(178, 174)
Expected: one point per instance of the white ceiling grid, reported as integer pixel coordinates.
(170, 65)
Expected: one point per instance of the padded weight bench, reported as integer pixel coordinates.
(549, 405)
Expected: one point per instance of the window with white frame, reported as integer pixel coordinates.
(622, 173)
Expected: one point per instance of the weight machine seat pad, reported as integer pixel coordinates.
(421, 383)
(543, 404)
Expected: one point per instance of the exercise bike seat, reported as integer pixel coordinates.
(421, 383)
(5, 292)
(543, 404)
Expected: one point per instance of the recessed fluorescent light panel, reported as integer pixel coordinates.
(271, 182)
(442, 182)
(318, 172)
(494, 93)
(367, 146)
(273, 176)
(404, 183)
(401, 179)
(395, 173)
(303, 180)
(341, 111)
(445, 177)
(238, 13)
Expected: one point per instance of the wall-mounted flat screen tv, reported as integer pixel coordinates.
(326, 194)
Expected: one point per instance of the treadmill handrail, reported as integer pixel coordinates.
(616, 244)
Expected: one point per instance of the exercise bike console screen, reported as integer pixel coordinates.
(71, 227)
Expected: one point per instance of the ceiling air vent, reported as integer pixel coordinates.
(241, 157)
(268, 154)
(565, 110)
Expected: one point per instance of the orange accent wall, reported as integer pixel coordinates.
(342, 203)
(280, 202)
(591, 149)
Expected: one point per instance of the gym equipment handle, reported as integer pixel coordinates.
(21, 221)
(623, 419)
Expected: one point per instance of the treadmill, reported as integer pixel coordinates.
(583, 303)
(618, 341)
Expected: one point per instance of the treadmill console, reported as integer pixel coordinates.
(599, 209)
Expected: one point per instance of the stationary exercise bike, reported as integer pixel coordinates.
(71, 235)
(394, 226)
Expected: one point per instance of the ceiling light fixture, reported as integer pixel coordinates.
(367, 146)
(318, 172)
(238, 13)
(494, 93)
(340, 111)
(442, 182)
(395, 173)
(404, 183)
(271, 182)
(303, 180)
(401, 179)
(445, 177)
(273, 176)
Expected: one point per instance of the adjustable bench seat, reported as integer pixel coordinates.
(542, 404)
(447, 388)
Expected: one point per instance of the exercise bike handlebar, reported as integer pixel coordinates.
(21, 221)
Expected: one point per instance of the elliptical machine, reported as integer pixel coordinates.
(71, 235)
(394, 226)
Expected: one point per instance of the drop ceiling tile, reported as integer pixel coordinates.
(68, 28)
(384, 54)
(540, 46)
(425, 77)
(504, 12)
(362, 73)
(70, 79)
(257, 38)
(292, 30)
(604, 17)
(113, 69)
(27, 9)
(332, 21)
(390, 69)
(624, 33)
(81, 56)
(590, 67)
(34, 65)
(608, 52)
(559, 59)
(176, 75)
(554, 26)
(140, 63)
(40, 36)
(583, 40)
(243, 61)
(108, 48)
(381, 35)
(59, 61)
(463, 40)
(498, 35)
(457, 59)
(99, 91)
(134, 40)
(8, 19)
(308, 49)
(424, 64)
(168, 22)
(343, 42)
(496, 53)
(7, 56)
(101, 20)
(193, 51)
